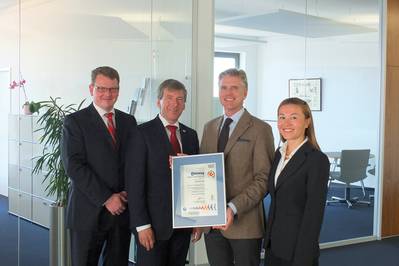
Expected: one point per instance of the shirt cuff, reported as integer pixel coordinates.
(143, 227)
(232, 207)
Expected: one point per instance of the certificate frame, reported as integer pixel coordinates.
(188, 216)
(308, 90)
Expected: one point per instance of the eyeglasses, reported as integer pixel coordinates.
(104, 89)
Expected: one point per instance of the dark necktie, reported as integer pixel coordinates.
(173, 139)
(111, 126)
(224, 135)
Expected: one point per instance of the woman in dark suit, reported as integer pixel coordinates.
(298, 188)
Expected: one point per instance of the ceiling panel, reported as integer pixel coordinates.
(294, 23)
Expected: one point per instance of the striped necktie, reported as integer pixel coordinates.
(111, 126)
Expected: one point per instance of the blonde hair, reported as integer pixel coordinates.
(309, 132)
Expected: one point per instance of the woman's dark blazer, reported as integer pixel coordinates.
(297, 206)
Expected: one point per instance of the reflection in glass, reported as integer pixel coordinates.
(54, 45)
(337, 42)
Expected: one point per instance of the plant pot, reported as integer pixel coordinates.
(59, 237)
(26, 109)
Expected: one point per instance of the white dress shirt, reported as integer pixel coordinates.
(165, 123)
(236, 117)
(102, 113)
(283, 160)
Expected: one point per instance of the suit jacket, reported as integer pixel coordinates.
(248, 156)
(148, 176)
(93, 164)
(297, 205)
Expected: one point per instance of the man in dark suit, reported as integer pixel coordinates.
(248, 146)
(148, 176)
(92, 148)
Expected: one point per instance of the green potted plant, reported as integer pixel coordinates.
(30, 107)
(50, 127)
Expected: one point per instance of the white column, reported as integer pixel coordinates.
(202, 71)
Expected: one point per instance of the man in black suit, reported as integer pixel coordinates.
(92, 148)
(148, 176)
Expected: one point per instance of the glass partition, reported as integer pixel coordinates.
(338, 42)
(171, 53)
(9, 158)
(49, 48)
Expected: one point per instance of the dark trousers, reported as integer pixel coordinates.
(171, 252)
(272, 260)
(227, 252)
(110, 240)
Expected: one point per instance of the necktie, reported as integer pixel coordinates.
(111, 127)
(224, 135)
(173, 139)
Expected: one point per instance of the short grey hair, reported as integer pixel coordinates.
(234, 72)
(171, 84)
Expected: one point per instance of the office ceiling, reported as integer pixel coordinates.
(312, 18)
(255, 19)
(99, 19)
(7, 3)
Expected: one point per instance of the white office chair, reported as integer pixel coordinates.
(353, 168)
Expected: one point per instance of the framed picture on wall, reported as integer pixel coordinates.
(308, 90)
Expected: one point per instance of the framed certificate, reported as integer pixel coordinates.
(198, 190)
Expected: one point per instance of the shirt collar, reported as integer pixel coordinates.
(101, 111)
(283, 149)
(235, 117)
(166, 123)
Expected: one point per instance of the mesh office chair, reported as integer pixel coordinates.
(353, 164)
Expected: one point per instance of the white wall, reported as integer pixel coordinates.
(62, 42)
(4, 108)
(249, 62)
(350, 72)
(60, 47)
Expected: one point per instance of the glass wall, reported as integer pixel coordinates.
(339, 43)
(49, 49)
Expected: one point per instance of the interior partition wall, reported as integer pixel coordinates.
(339, 44)
(49, 49)
(11, 228)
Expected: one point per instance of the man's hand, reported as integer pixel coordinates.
(196, 234)
(116, 204)
(170, 158)
(146, 238)
(229, 222)
(123, 194)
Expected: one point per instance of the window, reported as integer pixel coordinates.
(223, 61)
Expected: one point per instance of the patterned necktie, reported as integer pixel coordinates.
(224, 135)
(111, 127)
(173, 139)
